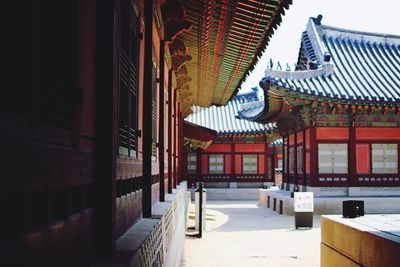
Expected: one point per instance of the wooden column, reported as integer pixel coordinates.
(161, 104)
(170, 123)
(178, 146)
(106, 109)
(284, 163)
(296, 174)
(352, 156)
(304, 158)
(313, 157)
(198, 167)
(266, 157)
(233, 175)
(174, 142)
(147, 107)
(273, 155)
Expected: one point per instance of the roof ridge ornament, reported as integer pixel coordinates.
(314, 34)
(324, 69)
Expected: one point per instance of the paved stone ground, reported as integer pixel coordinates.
(248, 234)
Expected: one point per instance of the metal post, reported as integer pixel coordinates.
(200, 209)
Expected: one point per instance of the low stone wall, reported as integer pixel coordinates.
(229, 193)
(156, 241)
(328, 205)
(344, 191)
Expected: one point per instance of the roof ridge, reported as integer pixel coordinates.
(358, 32)
(324, 69)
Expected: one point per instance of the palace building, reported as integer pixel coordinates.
(338, 112)
(92, 121)
(242, 154)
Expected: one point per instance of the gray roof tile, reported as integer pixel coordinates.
(364, 66)
(223, 119)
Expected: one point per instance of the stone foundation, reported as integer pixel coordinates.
(327, 204)
(156, 241)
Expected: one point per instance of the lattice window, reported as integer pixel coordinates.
(280, 164)
(332, 158)
(129, 76)
(42, 64)
(300, 159)
(291, 160)
(192, 163)
(250, 163)
(216, 163)
(384, 158)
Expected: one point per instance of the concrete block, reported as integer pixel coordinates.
(359, 241)
(331, 258)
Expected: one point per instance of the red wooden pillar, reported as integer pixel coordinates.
(296, 177)
(174, 142)
(147, 107)
(313, 157)
(161, 138)
(284, 167)
(233, 175)
(304, 158)
(181, 154)
(199, 176)
(266, 156)
(170, 123)
(352, 156)
(106, 110)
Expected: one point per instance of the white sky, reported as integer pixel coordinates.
(381, 16)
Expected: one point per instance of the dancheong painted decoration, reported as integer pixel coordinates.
(219, 45)
(338, 112)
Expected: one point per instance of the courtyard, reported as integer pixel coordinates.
(244, 233)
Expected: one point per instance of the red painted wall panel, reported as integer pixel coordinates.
(332, 133)
(204, 164)
(291, 139)
(378, 134)
(219, 148)
(249, 147)
(363, 158)
(261, 164)
(86, 69)
(308, 138)
(300, 137)
(228, 164)
(307, 162)
(238, 164)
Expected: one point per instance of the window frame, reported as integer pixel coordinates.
(384, 148)
(192, 163)
(219, 164)
(128, 120)
(333, 153)
(245, 163)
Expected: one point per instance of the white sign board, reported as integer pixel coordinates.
(303, 202)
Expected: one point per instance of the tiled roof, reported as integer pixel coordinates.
(341, 65)
(225, 42)
(223, 119)
(351, 65)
